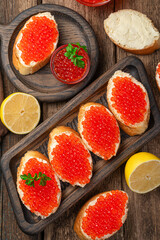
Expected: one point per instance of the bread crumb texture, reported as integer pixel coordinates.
(131, 29)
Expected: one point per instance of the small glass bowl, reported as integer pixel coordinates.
(93, 4)
(54, 73)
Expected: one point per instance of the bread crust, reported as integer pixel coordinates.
(78, 221)
(24, 69)
(137, 128)
(59, 130)
(147, 50)
(24, 159)
(81, 115)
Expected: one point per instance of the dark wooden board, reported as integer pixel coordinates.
(42, 84)
(38, 140)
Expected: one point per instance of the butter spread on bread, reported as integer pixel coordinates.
(132, 31)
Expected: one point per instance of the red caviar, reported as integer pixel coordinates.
(38, 38)
(101, 131)
(64, 70)
(158, 75)
(105, 216)
(70, 159)
(158, 69)
(42, 199)
(129, 100)
(93, 2)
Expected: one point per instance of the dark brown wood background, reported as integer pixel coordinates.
(143, 222)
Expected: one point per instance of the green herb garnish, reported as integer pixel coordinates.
(71, 53)
(29, 180)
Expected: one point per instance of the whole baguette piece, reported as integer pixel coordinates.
(132, 31)
(78, 222)
(130, 129)
(53, 143)
(40, 157)
(18, 63)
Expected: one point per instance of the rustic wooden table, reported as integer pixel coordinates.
(143, 220)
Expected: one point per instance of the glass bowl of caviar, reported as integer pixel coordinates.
(93, 3)
(70, 63)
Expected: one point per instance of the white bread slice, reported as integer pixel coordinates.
(41, 158)
(158, 76)
(132, 31)
(78, 222)
(18, 62)
(53, 143)
(81, 117)
(137, 128)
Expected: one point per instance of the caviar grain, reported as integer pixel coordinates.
(129, 99)
(42, 199)
(37, 40)
(70, 159)
(105, 216)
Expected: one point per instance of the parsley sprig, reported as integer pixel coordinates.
(29, 180)
(72, 54)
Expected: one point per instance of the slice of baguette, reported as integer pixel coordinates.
(130, 129)
(41, 158)
(132, 31)
(18, 62)
(158, 75)
(53, 143)
(81, 117)
(78, 222)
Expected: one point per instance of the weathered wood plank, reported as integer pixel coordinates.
(143, 218)
(142, 222)
(9, 228)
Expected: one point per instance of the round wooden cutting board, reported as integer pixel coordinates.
(42, 84)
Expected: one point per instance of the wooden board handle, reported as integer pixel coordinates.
(2, 29)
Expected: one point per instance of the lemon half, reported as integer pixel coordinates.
(20, 113)
(142, 172)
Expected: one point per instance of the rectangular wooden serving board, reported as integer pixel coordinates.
(38, 139)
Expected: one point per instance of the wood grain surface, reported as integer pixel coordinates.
(143, 217)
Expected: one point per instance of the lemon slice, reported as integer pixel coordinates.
(142, 172)
(20, 113)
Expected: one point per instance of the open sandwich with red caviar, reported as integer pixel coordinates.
(102, 216)
(37, 184)
(35, 43)
(158, 75)
(129, 102)
(99, 130)
(70, 63)
(69, 156)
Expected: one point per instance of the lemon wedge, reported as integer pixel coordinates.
(20, 112)
(142, 172)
